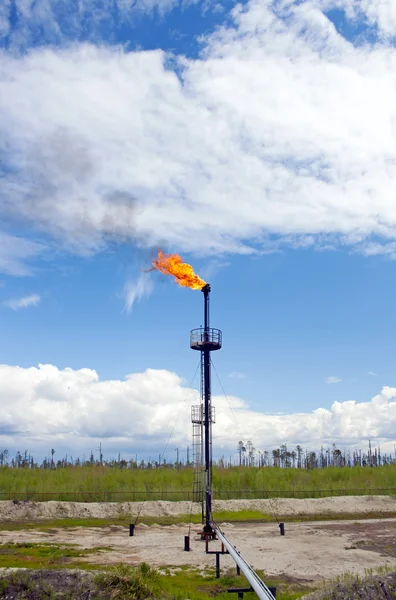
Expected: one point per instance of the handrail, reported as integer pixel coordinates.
(201, 335)
(257, 584)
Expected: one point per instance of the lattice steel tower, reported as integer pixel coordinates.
(206, 340)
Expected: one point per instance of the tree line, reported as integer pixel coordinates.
(247, 456)
(299, 458)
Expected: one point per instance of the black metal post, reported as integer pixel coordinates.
(207, 410)
(217, 565)
(240, 591)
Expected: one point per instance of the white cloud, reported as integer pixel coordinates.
(24, 302)
(379, 13)
(372, 374)
(281, 130)
(15, 253)
(47, 407)
(331, 380)
(236, 375)
(137, 289)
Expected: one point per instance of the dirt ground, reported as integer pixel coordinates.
(309, 552)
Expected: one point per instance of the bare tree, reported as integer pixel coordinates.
(241, 450)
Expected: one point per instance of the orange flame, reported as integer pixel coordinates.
(171, 264)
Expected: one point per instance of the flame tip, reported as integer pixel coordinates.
(172, 264)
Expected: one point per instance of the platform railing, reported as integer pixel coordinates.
(202, 336)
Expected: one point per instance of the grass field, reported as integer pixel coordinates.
(100, 483)
(40, 556)
(123, 582)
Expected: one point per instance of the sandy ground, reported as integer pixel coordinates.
(309, 552)
(277, 506)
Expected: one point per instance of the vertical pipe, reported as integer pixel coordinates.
(208, 492)
(206, 291)
(207, 410)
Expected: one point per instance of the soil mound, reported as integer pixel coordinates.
(19, 511)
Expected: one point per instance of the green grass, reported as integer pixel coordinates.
(180, 583)
(135, 583)
(124, 521)
(101, 483)
(123, 582)
(38, 556)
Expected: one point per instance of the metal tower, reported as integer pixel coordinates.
(205, 340)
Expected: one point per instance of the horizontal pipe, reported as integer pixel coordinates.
(257, 584)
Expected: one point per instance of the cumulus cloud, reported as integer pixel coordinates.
(24, 302)
(137, 289)
(282, 132)
(332, 379)
(48, 407)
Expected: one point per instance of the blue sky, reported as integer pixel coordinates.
(255, 139)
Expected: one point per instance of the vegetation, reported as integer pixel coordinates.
(101, 483)
(248, 456)
(137, 583)
(376, 584)
(38, 556)
(124, 582)
(50, 584)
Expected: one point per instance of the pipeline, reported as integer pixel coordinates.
(257, 584)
